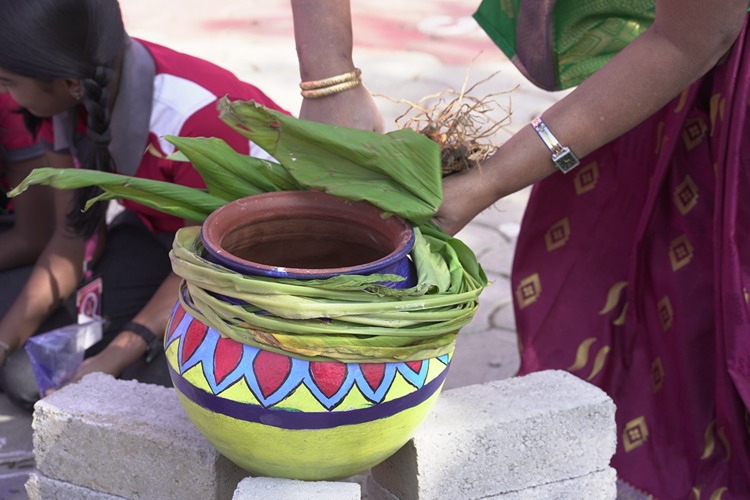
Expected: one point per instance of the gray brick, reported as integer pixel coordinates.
(267, 488)
(128, 439)
(504, 436)
(599, 485)
(374, 491)
(40, 487)
(595, 486)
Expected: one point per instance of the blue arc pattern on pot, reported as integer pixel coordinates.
(225, 363)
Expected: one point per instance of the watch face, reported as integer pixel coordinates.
(566, 160)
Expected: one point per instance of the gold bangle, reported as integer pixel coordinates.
(332, 81)
(331, 89)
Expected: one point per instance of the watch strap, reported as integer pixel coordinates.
(562, 156)
(153, 343)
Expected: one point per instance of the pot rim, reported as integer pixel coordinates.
(343, 209)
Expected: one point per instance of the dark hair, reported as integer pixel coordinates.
(81, 39)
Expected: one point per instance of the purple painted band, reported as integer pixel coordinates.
(395, 263)
(303, 420)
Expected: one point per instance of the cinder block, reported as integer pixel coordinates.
(267, 488)
(599, 485)
(595, 486)
(40, 487)
(128, 439)
(504, 436)
(375, 491)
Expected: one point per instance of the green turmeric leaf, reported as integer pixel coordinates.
(229, 174)
(399, 171)
(180, 201)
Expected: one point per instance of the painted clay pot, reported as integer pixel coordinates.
(308, 235)
(278, 415)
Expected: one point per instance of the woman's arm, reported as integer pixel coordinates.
(128, 347)
(55, 276)
(323, 36)
(33, 218)
(685, 41)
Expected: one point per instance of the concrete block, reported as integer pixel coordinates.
(374, 491)
(595, 486)
(40, 487)
(267, 488)
(128, 439)
(599, 485)
(504, 436)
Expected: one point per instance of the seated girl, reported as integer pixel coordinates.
(102, 100)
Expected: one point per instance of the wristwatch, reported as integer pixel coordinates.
(563, 158)
(153, 343)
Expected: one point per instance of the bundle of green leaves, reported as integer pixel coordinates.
(348, 318)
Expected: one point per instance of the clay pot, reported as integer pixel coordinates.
(308, 235)
(278, 415)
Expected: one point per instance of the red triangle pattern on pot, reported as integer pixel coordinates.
(227, 357)
(273, 377)
(328, 377)
(374, 374)
(196, 332)
(416, 366)
(271, 370)
(177, 316)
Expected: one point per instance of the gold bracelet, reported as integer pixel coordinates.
(330, 82)
(331, 89)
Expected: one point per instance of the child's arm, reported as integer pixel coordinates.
(33, 218)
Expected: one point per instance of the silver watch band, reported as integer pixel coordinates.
(563, 158)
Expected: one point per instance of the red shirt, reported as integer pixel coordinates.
(16, 143)
(13, 134)
(179, 100)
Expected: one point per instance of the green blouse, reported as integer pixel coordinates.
(559, 44)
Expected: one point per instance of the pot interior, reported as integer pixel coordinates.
(306, 235)
(307, 243)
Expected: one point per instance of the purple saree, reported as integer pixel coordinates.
(633, 272)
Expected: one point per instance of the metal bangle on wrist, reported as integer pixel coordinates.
(333, 85)
(563, 158)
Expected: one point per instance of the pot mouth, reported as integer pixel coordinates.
(305, 235)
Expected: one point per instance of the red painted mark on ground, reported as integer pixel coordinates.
(464, 43)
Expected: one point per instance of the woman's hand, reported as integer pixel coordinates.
(323, 38)
(99, 363)
(123, 351)
(102, 362)
(459, 205)
(354, 108)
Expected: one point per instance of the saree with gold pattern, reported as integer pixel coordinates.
(633, 271)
